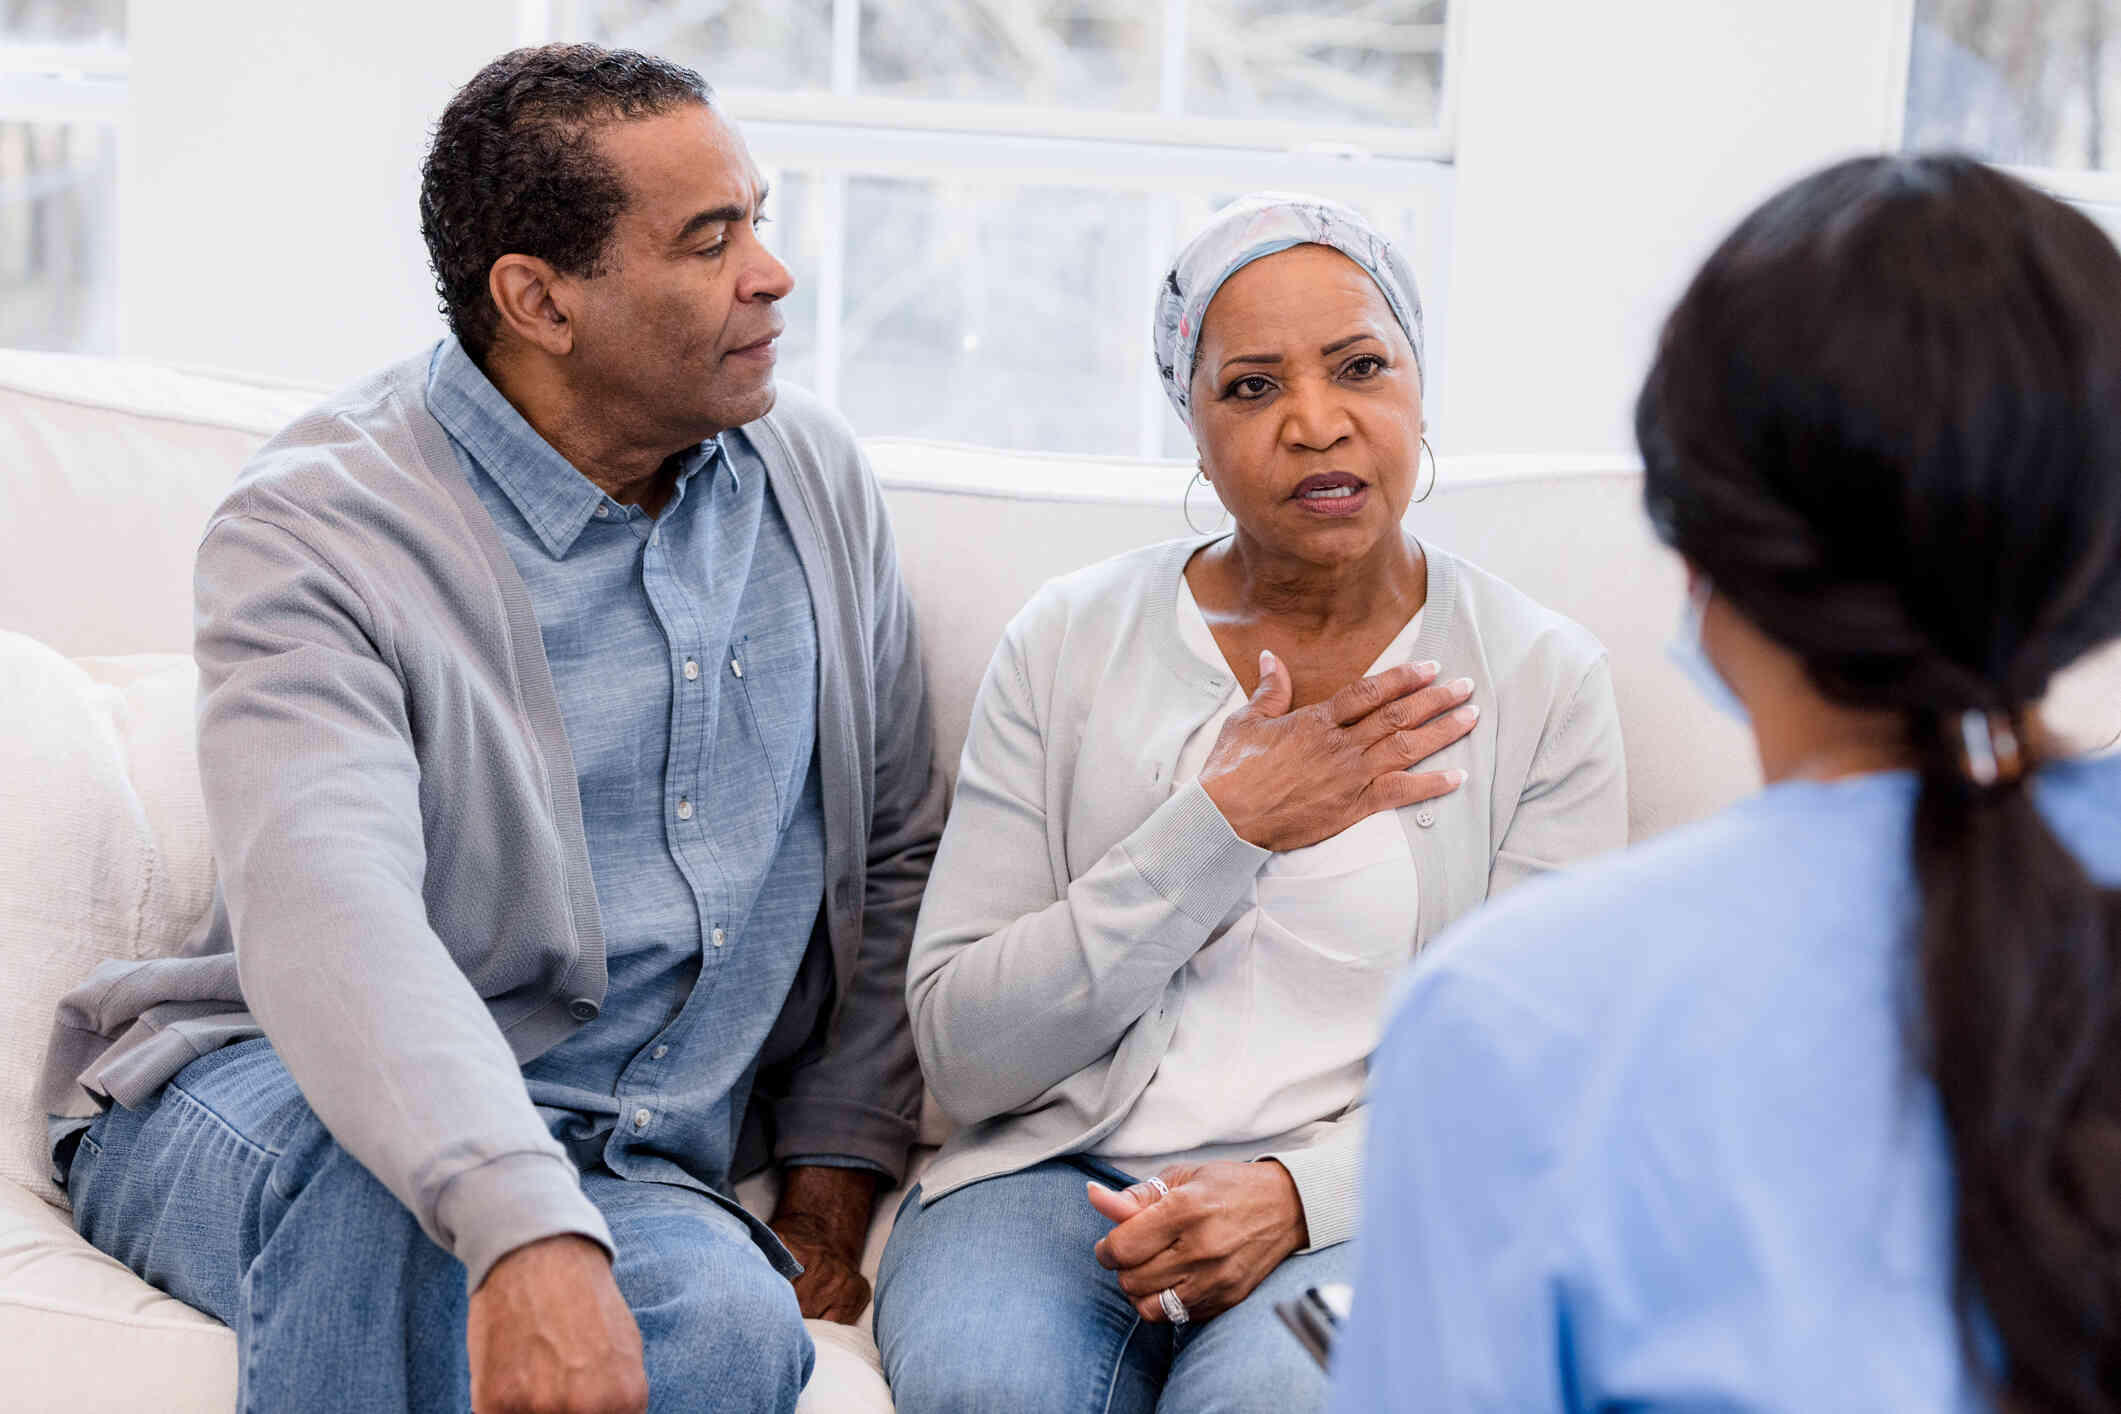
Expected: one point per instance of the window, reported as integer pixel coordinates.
(2026, 83)
(62, 94)
(978, 197)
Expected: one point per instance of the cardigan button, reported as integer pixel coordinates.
(1425, 819)
(583, 1009)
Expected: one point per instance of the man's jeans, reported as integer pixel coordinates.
(991, 1299)
(227, 1192)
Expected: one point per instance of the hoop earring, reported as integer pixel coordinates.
(1186, 502)
(1432, 472)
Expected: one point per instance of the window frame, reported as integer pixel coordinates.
(842, 105)
(59, 83)
(838, 134)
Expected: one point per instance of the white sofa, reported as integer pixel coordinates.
(108, 471)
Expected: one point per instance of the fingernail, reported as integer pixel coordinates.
(1428, 667)
(1096, 1187)
(1455, 776)
(1461, 686)
(1469, 714)
(1266, 659)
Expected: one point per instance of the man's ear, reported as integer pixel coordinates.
(532, 300)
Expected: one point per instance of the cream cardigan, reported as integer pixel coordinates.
(1073, 882)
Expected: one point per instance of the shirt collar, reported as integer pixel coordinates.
(555, 499)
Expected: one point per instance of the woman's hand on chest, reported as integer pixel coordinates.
(1285, 779)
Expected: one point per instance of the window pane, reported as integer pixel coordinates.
(2035, 82)
(1317, 61)
(772, 44)
(1051, 53)
(1011, 317)
(63, 21)
(58, 257)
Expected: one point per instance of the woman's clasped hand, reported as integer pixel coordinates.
(1285, 779)
(1209, 1234)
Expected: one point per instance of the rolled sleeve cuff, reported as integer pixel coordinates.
(1328, 1184)
(848, 1130)
(488, 1212)
(1188, 853)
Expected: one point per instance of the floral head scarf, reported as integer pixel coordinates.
(1266, 223)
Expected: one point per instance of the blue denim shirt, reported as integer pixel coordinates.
(684, 653)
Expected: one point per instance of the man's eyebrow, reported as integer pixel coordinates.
(717, 215)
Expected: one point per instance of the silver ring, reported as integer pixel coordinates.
(1163, 1190)
(1174, 1309)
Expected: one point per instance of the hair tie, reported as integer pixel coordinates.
(1990, 743)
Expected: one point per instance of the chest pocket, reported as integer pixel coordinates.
(774, 673)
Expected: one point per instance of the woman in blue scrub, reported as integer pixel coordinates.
(1815, 1105)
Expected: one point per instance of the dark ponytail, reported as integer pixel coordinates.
(1885, 422)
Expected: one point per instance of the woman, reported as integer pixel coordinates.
(1188, 858)
(1816, 1104)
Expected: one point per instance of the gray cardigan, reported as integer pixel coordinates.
(404, 901)
(1074, 882)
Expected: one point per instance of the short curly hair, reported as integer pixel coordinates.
(514, 168)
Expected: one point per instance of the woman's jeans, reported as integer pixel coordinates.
(992, 1300)
(226, 1191)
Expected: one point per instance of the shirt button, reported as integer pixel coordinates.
(684, 810)
(720, 937)
(1425, 819)
(659, 1052)
(583, 1009)
(603, 512)
(641, 1118)
(736, 667)
(692, 670)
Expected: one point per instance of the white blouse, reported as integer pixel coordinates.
(1284, 1002)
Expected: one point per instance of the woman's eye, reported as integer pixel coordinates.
(1365, 366)
(1250, 387)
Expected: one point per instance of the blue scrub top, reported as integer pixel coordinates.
(1648, 1134)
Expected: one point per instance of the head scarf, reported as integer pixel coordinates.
(1262, 224)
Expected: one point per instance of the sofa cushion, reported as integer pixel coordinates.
(103, 849)
(80, 1332)
(111, 469)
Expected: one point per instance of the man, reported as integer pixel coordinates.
(567, 763)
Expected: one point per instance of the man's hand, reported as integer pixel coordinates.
(1222, 1230)
(549, 1334)
(823, 1217)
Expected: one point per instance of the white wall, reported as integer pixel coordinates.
(1603, 150)
(270, 221)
